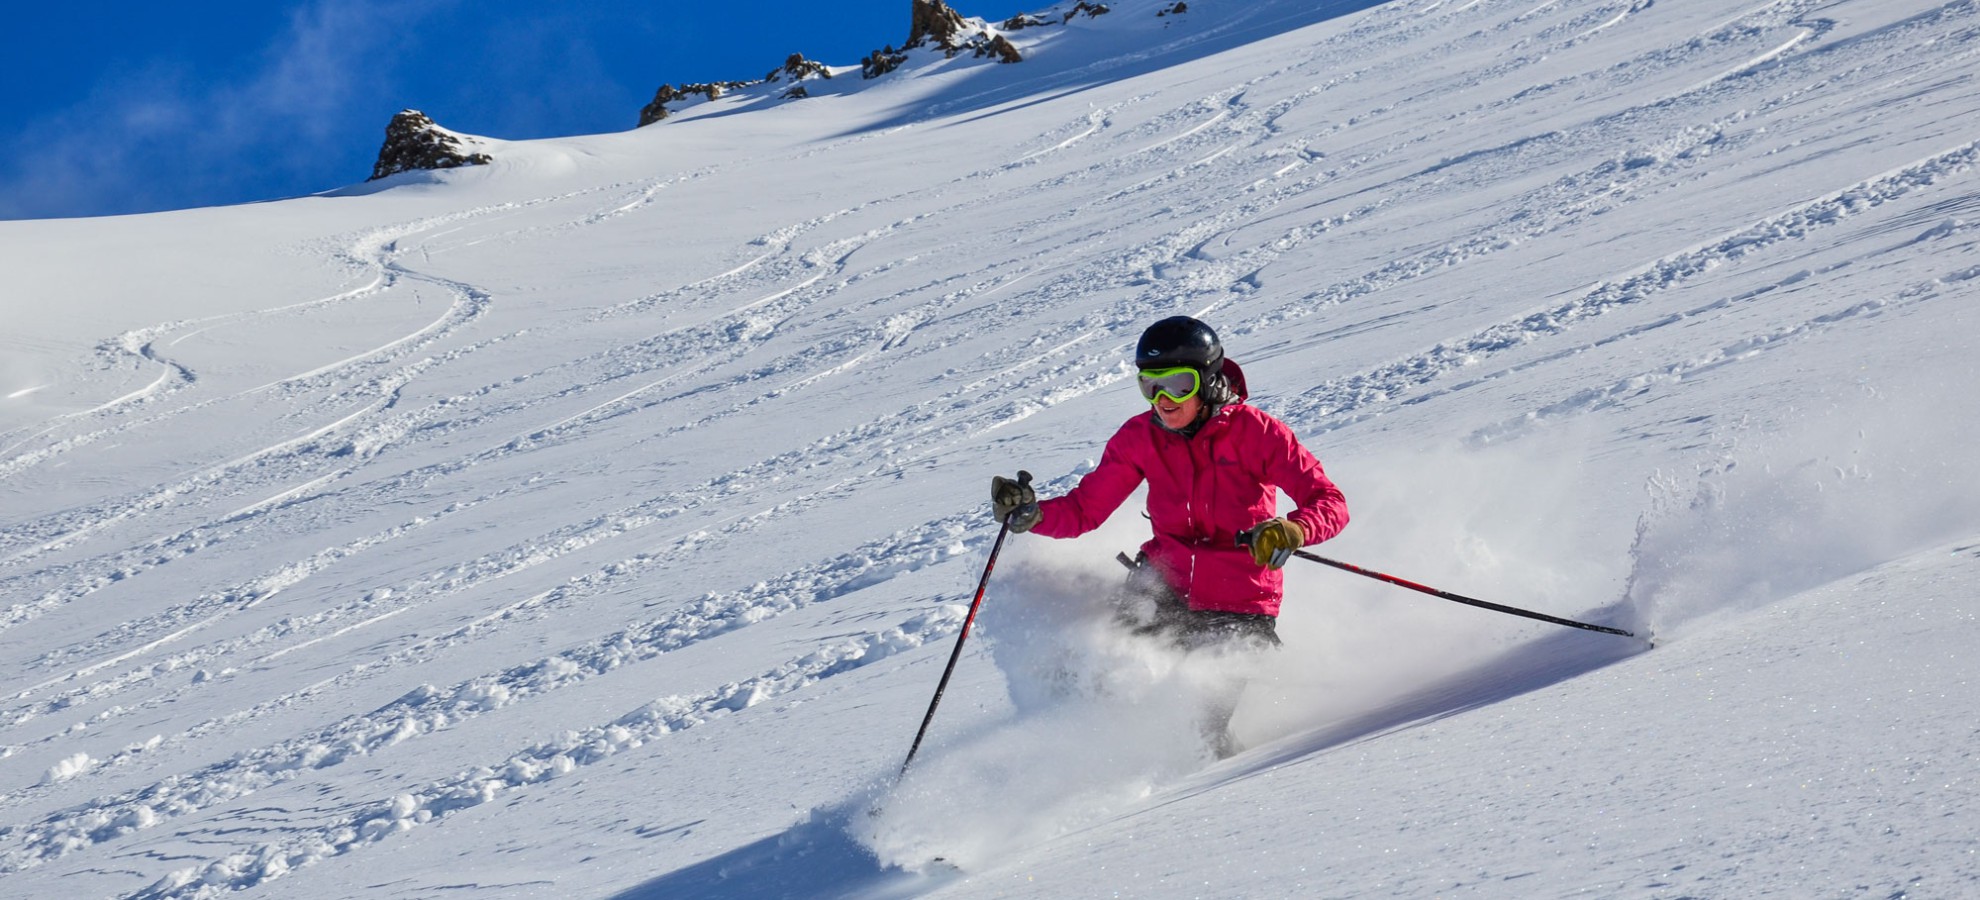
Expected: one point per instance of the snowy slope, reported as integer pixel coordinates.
(597, 522)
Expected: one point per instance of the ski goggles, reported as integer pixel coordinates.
(1179, 383)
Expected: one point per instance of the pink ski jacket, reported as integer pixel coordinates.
(1202, 491)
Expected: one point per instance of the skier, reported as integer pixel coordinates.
(1214, 467)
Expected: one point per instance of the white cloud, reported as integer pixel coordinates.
(160, 136)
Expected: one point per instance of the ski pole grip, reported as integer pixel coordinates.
(1024, 478)
(1245, 537)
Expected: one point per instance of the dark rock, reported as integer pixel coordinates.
(1021, 21)
(712, 90)
(936, 26)
(657, 110)
(797, 68)
(880, 62)
(1178, 7)
(1001, 48)
(414, 142)
(1090, 9)
(933, 22)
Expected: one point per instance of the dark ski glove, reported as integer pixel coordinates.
(1014, 503)
(1274, 540)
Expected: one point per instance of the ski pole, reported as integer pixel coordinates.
(1244, 540)
(1024, 478)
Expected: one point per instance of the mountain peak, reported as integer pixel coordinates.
(934, 22)
(935, 25)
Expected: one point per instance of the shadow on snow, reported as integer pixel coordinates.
(1527, 667)
(817, 858)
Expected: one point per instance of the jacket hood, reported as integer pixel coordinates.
(1234, 377)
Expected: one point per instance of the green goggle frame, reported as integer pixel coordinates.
(1179, 383)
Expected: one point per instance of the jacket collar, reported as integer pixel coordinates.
(1211, 416)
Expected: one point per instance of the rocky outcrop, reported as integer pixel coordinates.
(1177, 7)
(710, 90)
(936, 26)
(1090, 9)
(796, 68)
(414, 142)
(1001, 48)
(933, 23)
(656, 109)
(880, 62)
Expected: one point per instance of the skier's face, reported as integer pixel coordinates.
(1177, 416)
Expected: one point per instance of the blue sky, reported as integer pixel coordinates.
(119, 108)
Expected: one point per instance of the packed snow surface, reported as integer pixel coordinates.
(598, 522)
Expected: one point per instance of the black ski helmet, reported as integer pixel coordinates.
(1179, 341)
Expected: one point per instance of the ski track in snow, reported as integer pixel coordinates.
(1596, 398)
(1328, 407)
(377, 394)
(354, 826)
(791, 314)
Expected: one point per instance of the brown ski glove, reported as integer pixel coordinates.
(1274, 540)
